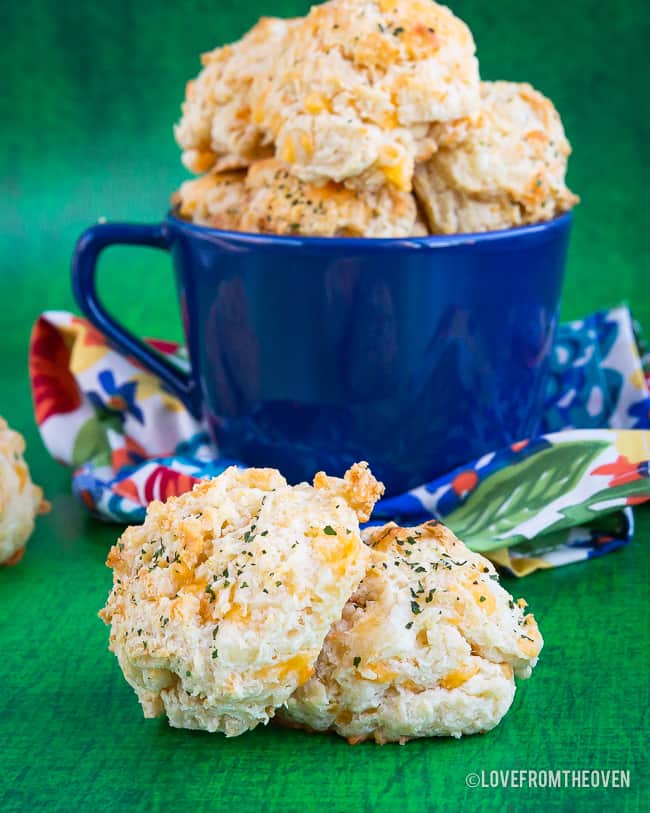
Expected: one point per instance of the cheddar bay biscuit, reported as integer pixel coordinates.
(270, 199)
(218, 200)
(280, 203)
(428, 645)
(222, 599)
(216, 130)
(20, 499)
(505, 168)
(358, 83)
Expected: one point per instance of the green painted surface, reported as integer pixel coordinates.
(89, 94)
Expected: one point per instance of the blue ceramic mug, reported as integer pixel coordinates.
(310, 353)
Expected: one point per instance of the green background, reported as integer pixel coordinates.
(88, 95)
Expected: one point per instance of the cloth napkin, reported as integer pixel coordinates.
(561, 497)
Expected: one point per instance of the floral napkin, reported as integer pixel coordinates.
(561, 497)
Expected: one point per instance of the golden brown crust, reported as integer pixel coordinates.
(14, 559)
(269, 199)
(504, 168)
(217, 200)
(358, 488)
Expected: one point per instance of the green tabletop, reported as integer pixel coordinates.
(86, 114)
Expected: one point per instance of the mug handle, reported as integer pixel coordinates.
(84, 270)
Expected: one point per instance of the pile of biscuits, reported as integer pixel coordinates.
(248, 599)
(366, 118)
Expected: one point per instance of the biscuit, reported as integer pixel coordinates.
(280, 203)
(222, 599)
(428, 645)
(358, 83)
(20, 499)
(217, 200)
(271, 200)
(216, 130)
(506, 168)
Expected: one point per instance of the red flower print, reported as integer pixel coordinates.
(127, 488)
(54, 388)
(90, 337)
(517, 447)
(464, 482)
(88, 499)
(130, 454)
(623, 471)
(163, 483)
(167, 348)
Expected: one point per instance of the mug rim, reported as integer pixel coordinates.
(526, 233)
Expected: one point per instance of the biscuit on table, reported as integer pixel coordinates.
(506, 168)
(20, 499)
(221, 601)
(428, 645)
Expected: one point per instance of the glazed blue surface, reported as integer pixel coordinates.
(311, 353)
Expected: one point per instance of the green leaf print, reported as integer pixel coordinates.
(585, 511)
(91, 444)
(519, 492)
(612, 524)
